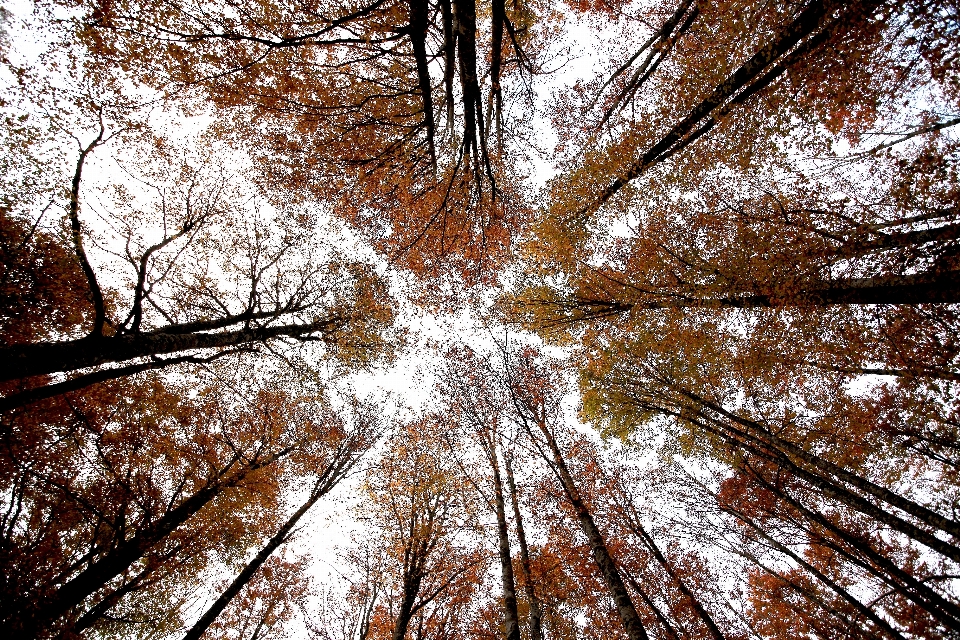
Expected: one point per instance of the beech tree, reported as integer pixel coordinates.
(423, 513)
(346, 102)
(280, 288)
(143, 490)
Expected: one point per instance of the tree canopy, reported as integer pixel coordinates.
(434, 319)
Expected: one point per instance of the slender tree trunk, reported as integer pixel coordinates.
(741, 441)
(749, 78)
(882, 567)
(96, 295)
(662, 619)
(510, 616)
(36, 394)
(702, 612)
(536, 625)
(128, 551)
(759, 433)
(601, 554)
(250, 569)
(899, 239)
(864, 610)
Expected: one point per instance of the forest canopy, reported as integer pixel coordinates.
(500, 320)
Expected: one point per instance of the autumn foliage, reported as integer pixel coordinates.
(595, 319)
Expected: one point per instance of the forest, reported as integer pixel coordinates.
(493, 320)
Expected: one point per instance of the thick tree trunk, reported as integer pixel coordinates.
(36, 394)
(449, 58)
(411, 588)
(419, 10)
(23, 361)
(934, 287)
(536, 624)
(896, 240)
(497, 20)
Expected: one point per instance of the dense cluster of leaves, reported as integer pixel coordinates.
(740, 418)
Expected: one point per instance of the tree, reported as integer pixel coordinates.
(475, 407)
(280, 288)
(125, 498)
(349, 98)
(423, 511)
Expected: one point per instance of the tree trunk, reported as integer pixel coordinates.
(750, 73)
(28, 360)
(761, 434)
(418, 39)
(703, 614)
(601, 554)
(252, 567)
(510, 616)
(536, 624)
(126, 552)
(411, 588)
(864, 610)
(739, 440)
(882, 567)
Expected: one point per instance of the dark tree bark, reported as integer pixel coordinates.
(932, 287)
(536, 624)
(127, 551)
(28, 360)
(701, 611)
(601, 554)
(419, 22)
(211, 614)
(345, 457)
(755, 74)
(96, 295)
(863, 609)
(36, 394)
(872, 561)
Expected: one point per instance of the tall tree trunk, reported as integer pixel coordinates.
(864, 610)
(702, 612)
(251, 569)
(752, 76)
(411, 588)
(27, 360)
(757, 432)
(739, 440)
(601, 554)
(536, 624)
(419, 10)
(511, 618)
(465, 22)
(903, 582)
(449, 58)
